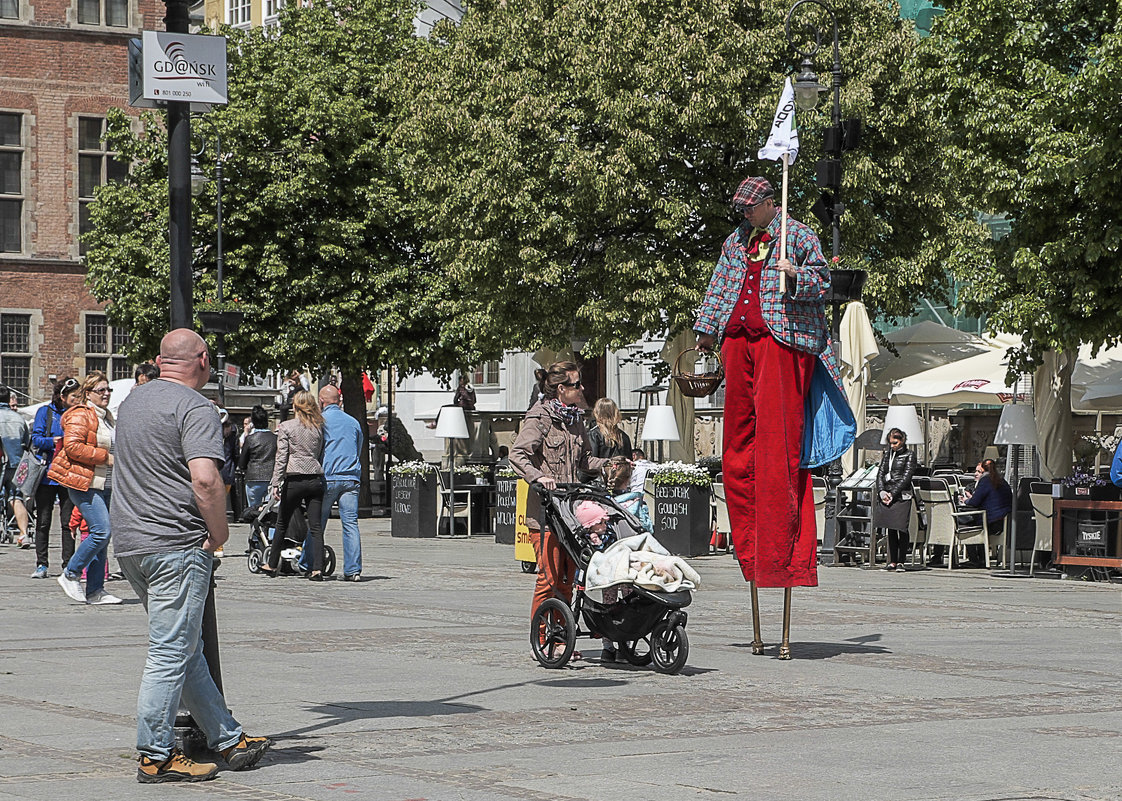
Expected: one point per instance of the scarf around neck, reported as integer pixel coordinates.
(569, 414)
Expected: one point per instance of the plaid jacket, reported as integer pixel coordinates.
(796, 318)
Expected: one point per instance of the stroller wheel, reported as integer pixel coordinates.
(254, 560)
(670, 647)
(553, 633)
(636, 652)
(328, 560)
(529, 567)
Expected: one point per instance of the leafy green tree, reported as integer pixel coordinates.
(1028, 92)
(574, 161)
(319, 249)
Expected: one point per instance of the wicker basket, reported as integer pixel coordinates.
(698, 386)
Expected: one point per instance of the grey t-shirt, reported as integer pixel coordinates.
(161, 426)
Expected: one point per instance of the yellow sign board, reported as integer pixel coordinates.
(523, 547)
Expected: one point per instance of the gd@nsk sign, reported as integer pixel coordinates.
(184, 67)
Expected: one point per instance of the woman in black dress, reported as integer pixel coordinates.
(893, 504)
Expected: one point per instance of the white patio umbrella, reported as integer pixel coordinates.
(858, 349)
(1096, 381)
(920, 347)
(978, 379)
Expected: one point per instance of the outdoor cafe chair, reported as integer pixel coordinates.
(461, 503)
(945, 524)
(820, 488)
(721, 524)
(1043, 514)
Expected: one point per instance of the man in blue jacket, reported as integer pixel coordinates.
(342, 470)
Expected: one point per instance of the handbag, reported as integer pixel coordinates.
(30, 470)
(28, 475)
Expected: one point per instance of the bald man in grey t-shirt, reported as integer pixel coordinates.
(169, 512)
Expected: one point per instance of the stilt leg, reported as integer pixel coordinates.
(757, 643)
(785, 646)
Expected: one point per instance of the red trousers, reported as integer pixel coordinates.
(770, 500)
(556, 570)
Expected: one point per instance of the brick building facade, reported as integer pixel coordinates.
(63, 64)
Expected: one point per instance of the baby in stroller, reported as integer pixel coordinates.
(596, 527)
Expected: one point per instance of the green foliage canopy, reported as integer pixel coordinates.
(319, 249)
(1028, 92)
(574, 161)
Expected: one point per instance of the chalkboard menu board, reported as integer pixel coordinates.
(414, 506)
(506, 512)
(681, 517)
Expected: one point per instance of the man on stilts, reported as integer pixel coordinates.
(772, 338)
(784, 407)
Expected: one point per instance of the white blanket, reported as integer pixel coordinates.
(643, 561)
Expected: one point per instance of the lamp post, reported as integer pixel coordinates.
(220, 322)
(1016, 427)
(846, 285)
(176, 20)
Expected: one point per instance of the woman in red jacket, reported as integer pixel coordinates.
(84, 466)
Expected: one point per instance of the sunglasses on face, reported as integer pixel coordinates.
(573, 384)
(103, 391)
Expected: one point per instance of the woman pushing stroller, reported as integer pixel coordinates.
(553, 447)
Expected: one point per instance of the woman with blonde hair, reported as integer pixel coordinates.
(298, 480)
(84, 465)
(606, 438)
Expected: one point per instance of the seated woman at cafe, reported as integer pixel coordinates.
(994, 496)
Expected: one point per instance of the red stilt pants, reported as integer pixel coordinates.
(770, 500)
(555, 569)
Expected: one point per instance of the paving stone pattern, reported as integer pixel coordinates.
(418, 683)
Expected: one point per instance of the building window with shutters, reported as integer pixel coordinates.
(11, 182)
(15, 354)
(486, 374)
(110, 13)
(96, 167)
(105, 345)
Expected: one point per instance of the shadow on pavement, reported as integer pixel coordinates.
(818, 650)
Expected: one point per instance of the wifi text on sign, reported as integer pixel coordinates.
(184, 67)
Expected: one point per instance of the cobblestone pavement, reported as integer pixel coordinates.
(418, 683)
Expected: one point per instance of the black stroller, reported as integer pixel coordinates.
(649, 626)
(262, 527)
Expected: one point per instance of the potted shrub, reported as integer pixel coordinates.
(681, 513)
(506, 505)
(414, 499)
(713, 464)
(1083, 485)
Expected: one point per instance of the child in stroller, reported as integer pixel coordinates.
(262, 528)
(646, 624)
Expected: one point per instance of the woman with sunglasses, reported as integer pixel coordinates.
(552, 448)
(84, 466)
(46, 436)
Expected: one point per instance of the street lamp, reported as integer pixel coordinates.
(220, 322)
(845, 285)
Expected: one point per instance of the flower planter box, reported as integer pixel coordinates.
(1108, 493)
(681, 517)
(506, 509)
(414, 502)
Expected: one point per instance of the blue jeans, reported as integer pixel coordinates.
(91, 555)
(173, 588)
(346, 493)
(255, 493)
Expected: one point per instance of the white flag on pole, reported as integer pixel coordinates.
(784, 136)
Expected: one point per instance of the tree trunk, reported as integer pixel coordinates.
(354, 404)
